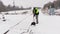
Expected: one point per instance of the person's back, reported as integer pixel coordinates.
(35, 11)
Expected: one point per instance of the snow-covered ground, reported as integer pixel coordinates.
(20, 24)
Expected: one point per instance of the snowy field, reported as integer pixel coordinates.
(20, 24)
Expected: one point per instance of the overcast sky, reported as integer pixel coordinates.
(27, 3)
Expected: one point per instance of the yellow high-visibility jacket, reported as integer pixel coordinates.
(36, 11)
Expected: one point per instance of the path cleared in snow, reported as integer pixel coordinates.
(47, 24)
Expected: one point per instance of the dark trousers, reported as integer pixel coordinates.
(36, 18)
